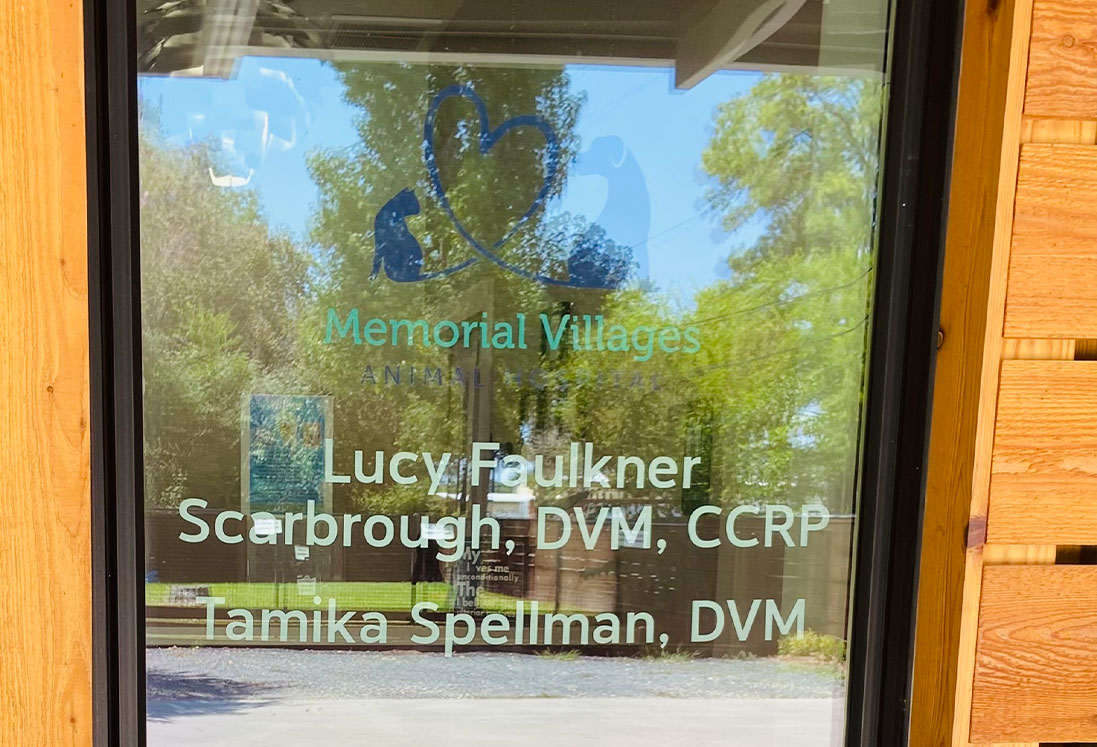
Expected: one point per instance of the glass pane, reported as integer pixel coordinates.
(503, 367)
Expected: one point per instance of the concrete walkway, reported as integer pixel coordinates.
(607, 722)
(213, 696)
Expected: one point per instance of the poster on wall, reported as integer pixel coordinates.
(282, 452)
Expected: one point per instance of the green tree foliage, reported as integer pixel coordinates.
(231, 308)
(772, 400)
(488, 192)
(220, 295)
(799, 153)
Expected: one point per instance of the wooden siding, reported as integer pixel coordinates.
(1054, 256)
(1025, 473)
(1044, 468)
(1037, 634)
(1062, 79)
(45, 609)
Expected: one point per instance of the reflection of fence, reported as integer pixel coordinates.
(819, 573)
(571, 578)
(170, 560)
(575, 578)
(666, 585)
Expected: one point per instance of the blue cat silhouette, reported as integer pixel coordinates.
(394, 246)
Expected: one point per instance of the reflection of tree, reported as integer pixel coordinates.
(771, 401)
(774, 394)
(488, 193)
(800, 152)
(219, 298)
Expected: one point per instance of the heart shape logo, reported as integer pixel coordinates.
(488, 139)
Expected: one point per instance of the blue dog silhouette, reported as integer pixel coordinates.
(595, 261)
(626, 218)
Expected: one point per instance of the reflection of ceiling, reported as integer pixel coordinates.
(205, 37)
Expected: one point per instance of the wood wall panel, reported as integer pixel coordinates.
(1054, 256)
(1043, 485)
(1062, 78)
(45, 548)
(1017, 310)
(1037, 654)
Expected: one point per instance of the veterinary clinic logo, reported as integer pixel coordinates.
(593, 261)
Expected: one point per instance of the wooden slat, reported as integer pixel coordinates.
(1067, 131)
(1053, 262)
(1019, 555)
(1043, 485)
(1038, 350)
(45, 546)
(1062, 75)
(1037, 654)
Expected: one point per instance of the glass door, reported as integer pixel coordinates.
(503, 367)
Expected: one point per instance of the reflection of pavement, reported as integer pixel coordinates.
(212, 696)
(629, 722)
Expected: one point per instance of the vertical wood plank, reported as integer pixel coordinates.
(45, 635)
(986, 150)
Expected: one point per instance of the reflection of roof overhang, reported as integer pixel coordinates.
(697, 37)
